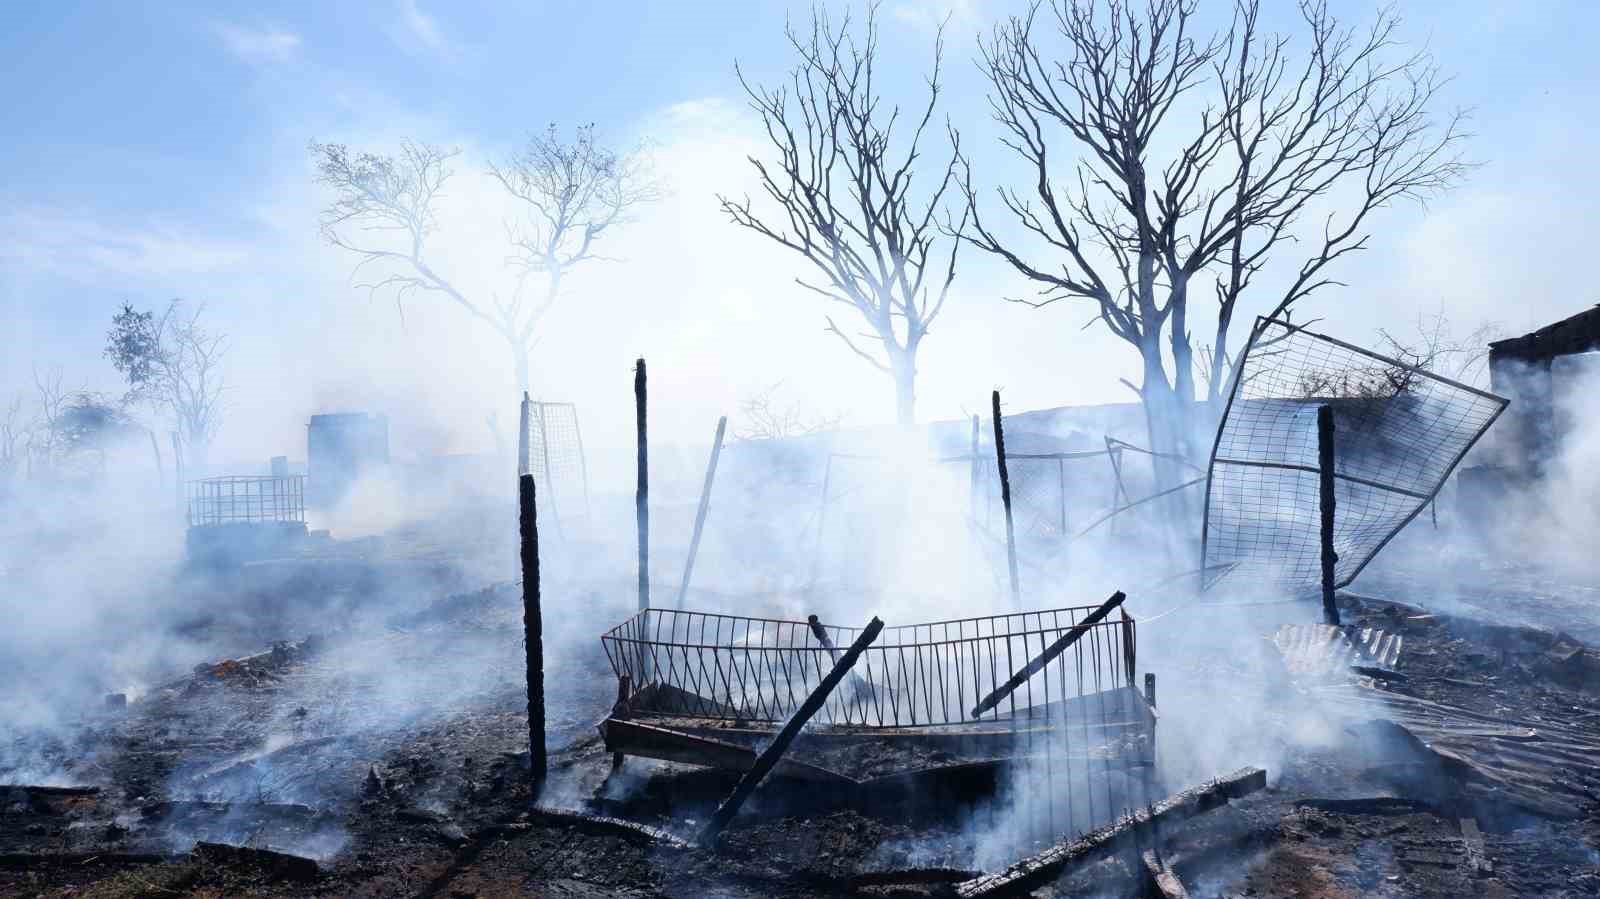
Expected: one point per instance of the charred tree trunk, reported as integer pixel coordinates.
(1005, 499)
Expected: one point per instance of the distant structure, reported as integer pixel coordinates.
(1538, 372)
(241, 519)
(340, 448)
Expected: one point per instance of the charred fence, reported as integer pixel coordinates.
(1041, 708)
(1399, 432)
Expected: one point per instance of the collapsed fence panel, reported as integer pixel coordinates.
(1400, 430)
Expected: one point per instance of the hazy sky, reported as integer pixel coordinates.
(160, 151)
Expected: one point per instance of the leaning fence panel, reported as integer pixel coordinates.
(1399, 431)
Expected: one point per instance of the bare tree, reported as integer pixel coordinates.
(1435, 347)
(52, 403)
(764, 416)
(1261, 139)
(15, 435)
(173, 363)
(385, 212)
(571, 194)
(844, 188)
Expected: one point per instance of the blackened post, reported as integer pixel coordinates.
(780, 744)
(642, 497)
(700, 514)
(532, 627)
(1005, 499)
(1325, 462)
(522, 439)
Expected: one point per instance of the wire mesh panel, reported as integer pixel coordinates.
(732, 668)
(1053, 495)
(1399, 431)
(230, 500)
(556, 461)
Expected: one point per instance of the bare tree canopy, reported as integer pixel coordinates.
(174, 364)
(842, 179)
(1262, 141)
(569, 194)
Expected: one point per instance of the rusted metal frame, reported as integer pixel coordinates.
(774, 751)
(1060, 645)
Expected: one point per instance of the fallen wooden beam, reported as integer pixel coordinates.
(1133, 829)
(780, 744)
(279, 864)
(1054, 649)
(1162, 877)
(649, 741)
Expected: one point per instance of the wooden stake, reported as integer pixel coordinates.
(642, 496)
(791, 729)
(532, 627)
(700, 514)
(1325, 468)
(977, 472)
(1005, 499)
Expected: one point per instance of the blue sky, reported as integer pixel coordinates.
(159, 151)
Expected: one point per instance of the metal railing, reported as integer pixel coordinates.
(231, 500)
(759, 670)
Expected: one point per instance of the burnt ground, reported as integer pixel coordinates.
(386, 747)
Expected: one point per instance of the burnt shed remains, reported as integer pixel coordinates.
(1537, 371)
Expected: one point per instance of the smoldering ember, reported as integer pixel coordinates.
(1073, 448)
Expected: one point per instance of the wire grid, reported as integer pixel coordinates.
(1398, 433)
(229, 500)
(1052, 494)
(556, 461)
(734, 668)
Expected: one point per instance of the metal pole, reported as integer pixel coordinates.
(976, 472)
(1325, 469)
(642, 496)
(532, 627)
(1005, 499)
(700, 513)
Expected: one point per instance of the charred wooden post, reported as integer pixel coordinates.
(1005, 499)
(858, 686)
(620, 710)
(524, 420)
(532, 628)
(642, 496)
(1061, 645)
(700, 513)
(791, 729)
(1325, 463)
(1040, 869)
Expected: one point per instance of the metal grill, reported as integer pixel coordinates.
(556, 460)
(1399, 432)
(229, 500)
(733, 668)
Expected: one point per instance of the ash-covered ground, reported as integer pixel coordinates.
(382, 735)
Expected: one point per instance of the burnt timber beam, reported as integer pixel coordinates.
(1130, 831)
(649, 741)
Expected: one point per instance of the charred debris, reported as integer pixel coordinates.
(1333, 744)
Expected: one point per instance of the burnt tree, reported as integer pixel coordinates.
(841, 181)
(1258, 142)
